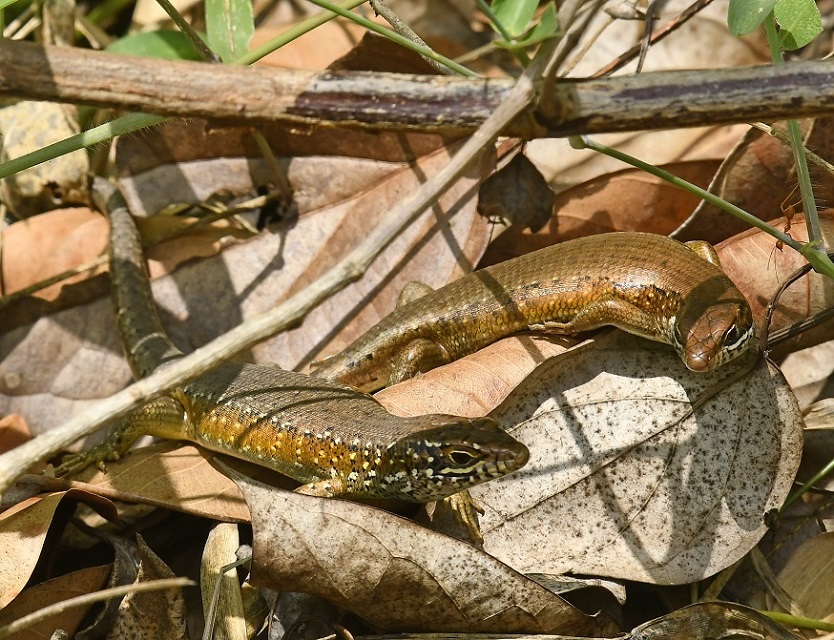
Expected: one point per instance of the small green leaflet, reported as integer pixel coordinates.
(229, 27)
(168, 44)
(799, 22)
(744, 16)
(545, 28)
(514, 15)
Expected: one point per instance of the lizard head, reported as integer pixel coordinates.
(713, 327)
(454, 454)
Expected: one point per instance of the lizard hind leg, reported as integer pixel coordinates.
(163, 418)
(419, 356)
(705, 250)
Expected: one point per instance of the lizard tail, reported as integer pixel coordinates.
(146, 343)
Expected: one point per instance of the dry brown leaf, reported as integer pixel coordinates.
(48, 244)
(808, 578)
(395, 574)
(13, 432)
(23, 530)
(759, 176)
(50, 592)
(151, 614)
(476, 384)
(626, 200)
(60, 363)
(172, 475)
(708, 620)
(621, 483)
(314, 50)
(518, 194)
(753, 262)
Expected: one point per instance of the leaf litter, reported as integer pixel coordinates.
(667, 559)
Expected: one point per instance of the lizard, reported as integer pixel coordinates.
(335, 440)
(647, 284)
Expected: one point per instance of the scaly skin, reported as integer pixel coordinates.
(336, 440)
(646, 284)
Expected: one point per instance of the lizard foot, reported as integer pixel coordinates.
(465, 510)
(75, 462)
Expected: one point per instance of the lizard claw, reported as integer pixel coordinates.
(75, 462)
(465, 510)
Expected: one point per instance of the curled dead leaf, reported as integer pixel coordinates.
(395, 574)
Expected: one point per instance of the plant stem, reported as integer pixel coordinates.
(809, 207)
(396, 37)
(820, 261)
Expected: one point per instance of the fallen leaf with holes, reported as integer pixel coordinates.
(623, 481)
(389, 571)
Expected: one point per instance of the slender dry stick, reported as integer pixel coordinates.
(292, 311)
(382, 9)
(91, 598)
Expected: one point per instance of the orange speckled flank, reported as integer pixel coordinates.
(646, 284)
(315, 431)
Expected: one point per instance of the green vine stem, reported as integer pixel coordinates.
(803, 177)
(817, 259)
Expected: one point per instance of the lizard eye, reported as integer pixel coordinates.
(732, 336)
(461, 458)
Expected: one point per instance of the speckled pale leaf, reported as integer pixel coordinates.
(394, 573)
(623, 482)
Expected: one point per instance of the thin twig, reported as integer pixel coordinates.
(91, 598)
(381, 9)
(621, 61)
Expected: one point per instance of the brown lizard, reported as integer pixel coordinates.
(646, 284)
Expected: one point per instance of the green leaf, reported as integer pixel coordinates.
(545, 28)
(168, 44)
(514, 15)
(799, 22)
(229, 27)
(744, 16)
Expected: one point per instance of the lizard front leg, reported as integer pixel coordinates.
(163, 418)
